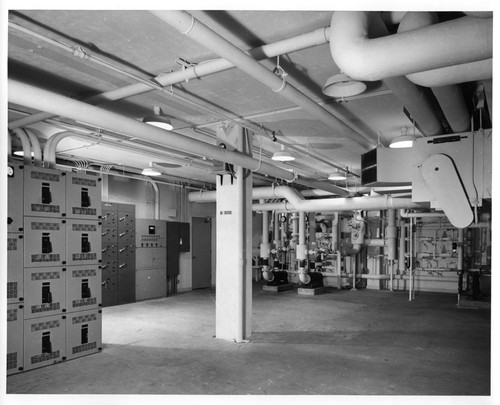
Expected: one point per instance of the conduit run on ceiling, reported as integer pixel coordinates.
(188, 25)
(43, 100)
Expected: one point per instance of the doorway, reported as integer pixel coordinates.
(201, 252)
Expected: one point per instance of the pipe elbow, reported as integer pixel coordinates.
(303, 276)
(267, 274)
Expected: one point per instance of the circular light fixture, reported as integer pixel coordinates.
(159, 119)
(149, 171)
(337, 175)
(283, 155)
(402, 141)
(341, 85)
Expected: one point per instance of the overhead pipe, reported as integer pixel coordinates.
(405, 214)
(420, 50)
(26, 144)
(30, 96)
(188, 25)
(449, 97)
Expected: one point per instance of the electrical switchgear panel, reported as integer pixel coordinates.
(44, 242)
(44, 192)
(83, 333)
(15, 341)
(83, 196)
(15, 277)
(15, 209)
(45, 291)
(83, 288)
(151, 233)
(83, 242)
(151, 283)
(44, 341)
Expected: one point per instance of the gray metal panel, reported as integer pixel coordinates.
(15, 339)
(15, 202)
(83, 196)
(83, 288)
(44, 341)
(44, 291)
(83, 242)
(15, 274)
(83, 333)
(44, 242)
(44, 192)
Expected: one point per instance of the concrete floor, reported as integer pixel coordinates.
(340, 343)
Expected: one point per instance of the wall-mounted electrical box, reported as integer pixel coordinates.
(44, 192)
(150, 233)
(83, 196)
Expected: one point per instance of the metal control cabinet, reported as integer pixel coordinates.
(15, 273)
(83, 333)
(83, 242)
(83, 288)
(44, 192)
(15, 341)
(83, 196)
(15, 205)
(151, 259)
(44, 341)
(45, 291)
(118, 253)
(44, 242)
(53, 261)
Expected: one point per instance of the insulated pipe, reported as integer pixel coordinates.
(9, 147)
(466, 72)
(460, 249)
(405, 214)
(335, 232)
(310, 39)
(25, 142)
(35, 145)
(402, 243)
(30, 96)
(449, 97)
(418, 102)
(428, 48)
(157, 198)
(391, 234)
(341, 204)
(187, 24)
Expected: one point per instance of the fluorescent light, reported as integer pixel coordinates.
(337, 175)
(403, 141)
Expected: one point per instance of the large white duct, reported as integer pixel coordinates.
(449, 43)
(449, 97)
(25, 142)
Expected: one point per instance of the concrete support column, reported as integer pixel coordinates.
(233, 316)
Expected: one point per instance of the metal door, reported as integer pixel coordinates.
(201, 245)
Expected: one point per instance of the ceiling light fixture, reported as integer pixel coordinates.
(283, 155)
(150, 171)
(159, 119)
(337, 175)
(21, 153)
(402, 141)
(341, 85)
